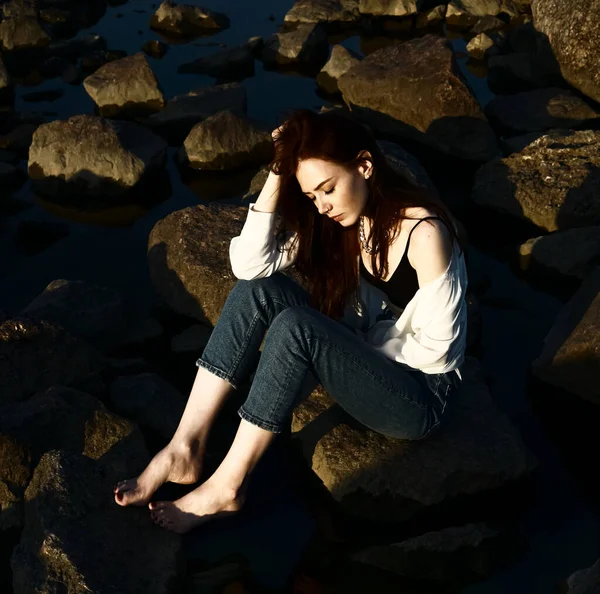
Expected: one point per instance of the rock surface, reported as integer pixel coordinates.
(5, 82)
(584, 581)
(570, 358)
(302, 44)
(88, 155)
(323, 11)
(340, 61)
(431, 17)
(125, 87)
(387, 480)
(187, 19)
(553, 182)
(22, 32)
(415, 90)
(381, 8)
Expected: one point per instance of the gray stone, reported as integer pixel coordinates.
(194, 339)
(340, 61)
(226, 141)
(300, 44)
(415, 90)
(88, 155)
(124, 87)
(584, 581)
(323, 11)
(553, 182)
(187, 19)
(570, 358)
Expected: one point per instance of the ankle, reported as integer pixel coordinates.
(187, 447)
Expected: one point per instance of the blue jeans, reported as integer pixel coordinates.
(303, 347)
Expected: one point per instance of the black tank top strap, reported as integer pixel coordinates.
(417, 224)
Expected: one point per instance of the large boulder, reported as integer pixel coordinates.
(226, 141)
(125, 87)
(22, 32)
(35, 355)
(323, 11)
(415, 90)
(340, 61)
(300, 44)
(88, 155)
(553, 182)
(187, 20)
(570, 358)
(385, 8)
(77, 539)
(381, 479)
(59, 418)
(571, 27)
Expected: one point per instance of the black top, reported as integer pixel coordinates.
(403, 284)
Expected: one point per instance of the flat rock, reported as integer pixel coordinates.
(553, 182)
(571, 27)
(22, 32)
(301, 44)
(323, 11)
(584, 581)
(183, 112)
(125, 87)
(226, 141)
(36, 355)
(89, 155)
(88, 311)
(389, 480)
(570, 358)
(574, 253)
(187, 20)
(340, 61)
(415, 90)
(77, 539)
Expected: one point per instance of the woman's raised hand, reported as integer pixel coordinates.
(275, 133)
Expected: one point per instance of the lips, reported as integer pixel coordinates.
(337, 217)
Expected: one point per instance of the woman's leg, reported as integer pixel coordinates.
(389, 398)
(229, 357)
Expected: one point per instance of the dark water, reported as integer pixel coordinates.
(109, 248)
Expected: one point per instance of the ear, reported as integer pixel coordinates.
(365, 163)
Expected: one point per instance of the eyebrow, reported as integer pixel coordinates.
(323, 182)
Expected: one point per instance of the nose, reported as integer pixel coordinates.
(322, 207)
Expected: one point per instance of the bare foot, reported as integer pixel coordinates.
(171, 464)
(208, 501)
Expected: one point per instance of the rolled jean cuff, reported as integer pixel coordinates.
(259, 422)
(218, 372)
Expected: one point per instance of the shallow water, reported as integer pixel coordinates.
(109, 248)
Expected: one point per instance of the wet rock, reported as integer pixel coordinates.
(572, 30)
(88, 311)
(187, 251)
(11, 177)
(35, 236)
(431, 17)
(301, 44)
(539, 110)
(23, 32)
(96, 59)
(233, 63)
(193, 339)
(88, 155)
(183, 112)
(226, 141)
(187, 20)
(570, 358)
(340, 61)
(584, 581)
(553, 182)
(57, 418)
(48, 95)
(384, 88)
(323, 11)
(125, 87)
(390, 480)
(385, 8)
(485, 45)
(73, 49)
(36, 355)
(77, 539)
(574, 253)
(154, 48)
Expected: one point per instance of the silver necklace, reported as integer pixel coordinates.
(363, 239)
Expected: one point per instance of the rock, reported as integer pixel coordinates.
(226, 141)
(88, 155)
(126, 86)
(5, 82)
(458, 17)
(154, 48)
(233, 63)
(488, 24)
(390, 480)
(515, 144)
(188, 259)
(431, 17)
(385, 8)
(88, 311)
(19, 8)
(150, 401)
(77, 539)
(574, 253)
(72, 49)
(194, 339)
(54, 16)
(187, 20)
(340, 61)
(539, 110)
(331, 12)
(23, 32)
(58, 418)
(511, 73)
(553, 182)
(183, 112)
(570, 358)
(484, 45)
(19, 139)
(11, 177)
(584, 581)
(303, 44)
(67, 360)
(96, 59)
(482, 8)
(386, 87)
(572, 30)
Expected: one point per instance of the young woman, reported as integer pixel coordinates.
(379, 321)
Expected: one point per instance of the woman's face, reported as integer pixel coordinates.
(335, 191)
